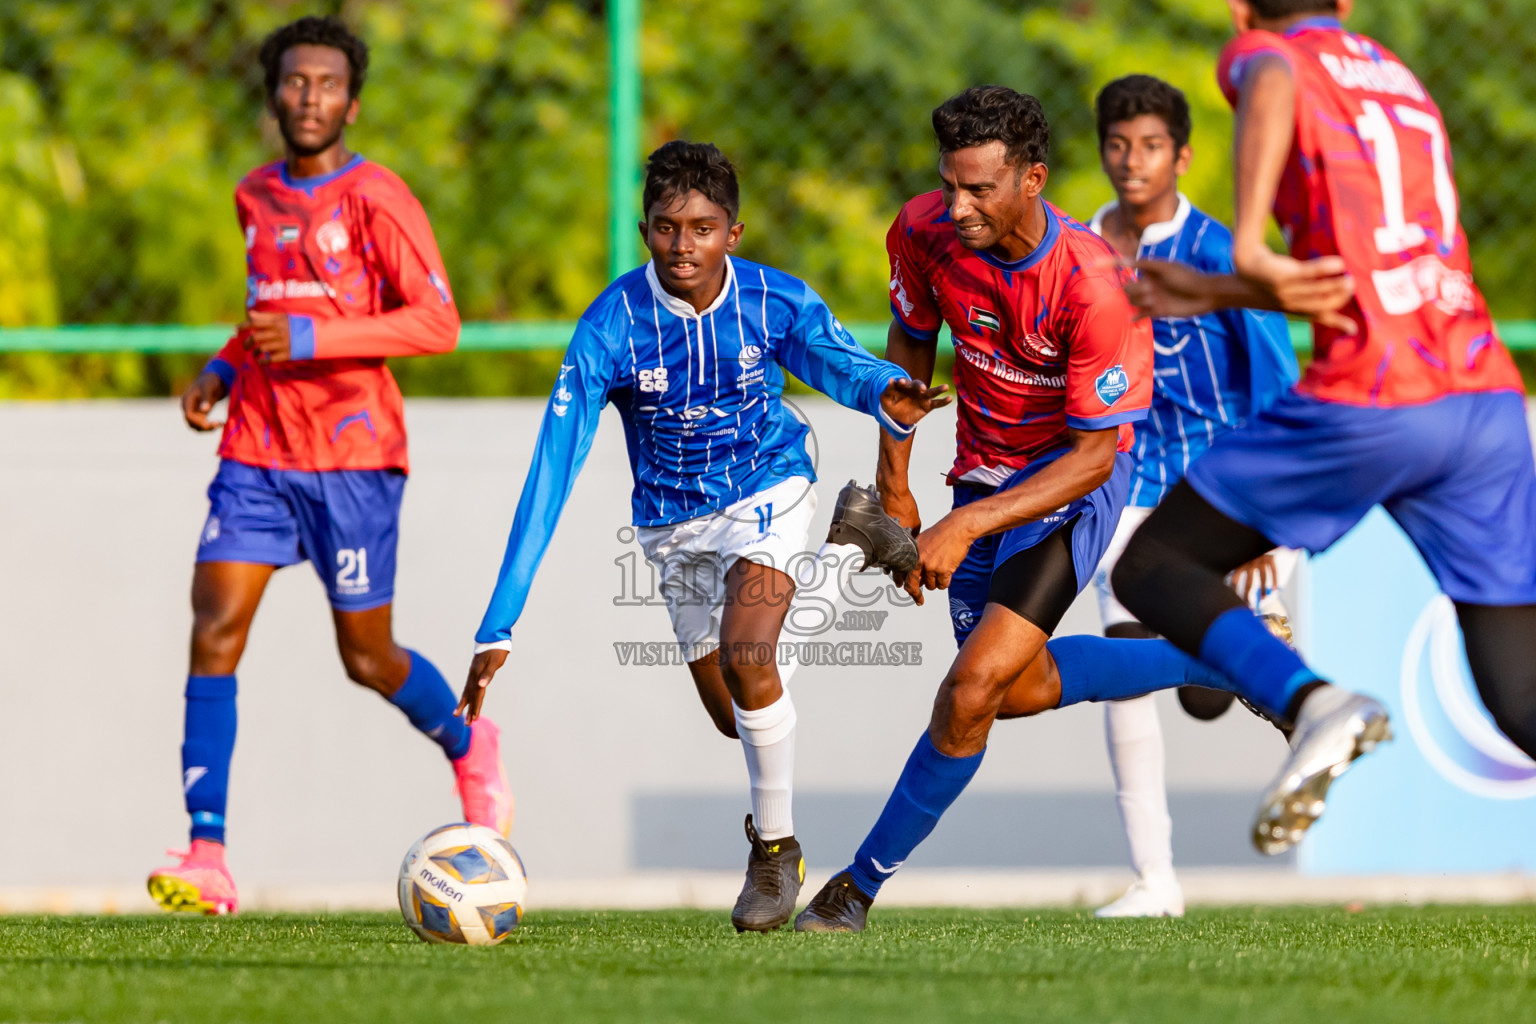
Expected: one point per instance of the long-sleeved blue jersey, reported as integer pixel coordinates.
(1210, 373)
(699, 394)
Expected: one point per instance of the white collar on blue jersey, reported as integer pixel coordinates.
(1155, 233)
(672, 304)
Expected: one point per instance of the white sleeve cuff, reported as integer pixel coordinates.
(901, 430)
(495, 645)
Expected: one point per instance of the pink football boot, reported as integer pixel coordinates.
(199, 884)
(483, 787)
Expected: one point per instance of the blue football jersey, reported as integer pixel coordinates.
(699, 395)
(1210, 373)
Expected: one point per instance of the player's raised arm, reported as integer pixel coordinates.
(820, 351)
(1265, 131)
(565, 438)
(916, 356)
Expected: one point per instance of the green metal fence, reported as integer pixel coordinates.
(512, 336)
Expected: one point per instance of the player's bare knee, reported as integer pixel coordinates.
(218, 635)
(372, 669)
(748, 668)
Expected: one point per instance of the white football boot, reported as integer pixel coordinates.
(1332, 728)
(1149, 896)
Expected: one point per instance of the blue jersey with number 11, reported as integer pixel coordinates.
(700, 397)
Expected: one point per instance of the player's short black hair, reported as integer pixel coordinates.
(1134, 95)
(994, 113)
(679, 167)
(327, 31)
(1286, 8)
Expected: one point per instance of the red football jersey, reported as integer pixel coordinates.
(1042, 344)
(350, 257)
(1369, 179)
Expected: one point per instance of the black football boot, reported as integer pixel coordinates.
(775, 872)
(859, 519)
(840, 906)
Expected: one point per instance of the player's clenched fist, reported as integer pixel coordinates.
(200, 398)
(481, 671)
(266, 334)
(940, 550)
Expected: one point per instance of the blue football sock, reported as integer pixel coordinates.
(928, 785)
(428, 702)
(208, 743)
(1266, 672)
(1100, 668)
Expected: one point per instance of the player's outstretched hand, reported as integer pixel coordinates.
(266, 334)
(481, 671)
(907, 401)
(200, 398)
(1317, 289)
(1170, 289)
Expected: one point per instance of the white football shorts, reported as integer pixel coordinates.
(691, 558)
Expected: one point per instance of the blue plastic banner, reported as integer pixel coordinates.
(1450, 794)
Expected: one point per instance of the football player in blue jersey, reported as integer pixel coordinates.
(1210, 373)
(691, 349)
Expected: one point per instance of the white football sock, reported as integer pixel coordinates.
(1136, 754)
(768, 740)
(818, 598)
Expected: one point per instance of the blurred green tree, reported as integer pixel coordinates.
(125, 124)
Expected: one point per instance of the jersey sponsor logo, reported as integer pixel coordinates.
(1040, 347)
(1112, 384)
(984, 319)
(331, 237)
(652, 380)
(1012, 374)
(899, 288)
(563, 396)
(258, 290)
(1425, 280)
(750, 354)
(1387, 76)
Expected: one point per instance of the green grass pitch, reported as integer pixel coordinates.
(1316, 966)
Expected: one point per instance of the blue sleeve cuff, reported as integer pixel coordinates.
(221, 367)
(1113, 419)
(301, 336)
(916, 332)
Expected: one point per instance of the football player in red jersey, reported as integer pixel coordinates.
(342, 272)
(1410, 402)
(1052, 369)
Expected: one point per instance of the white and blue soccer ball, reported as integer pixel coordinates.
(463, 883)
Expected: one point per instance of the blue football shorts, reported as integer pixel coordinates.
(345, 522)
(1095, 515)
(1456, 473)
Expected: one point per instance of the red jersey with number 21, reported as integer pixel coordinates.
(1042, 344)
(1369, 179)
